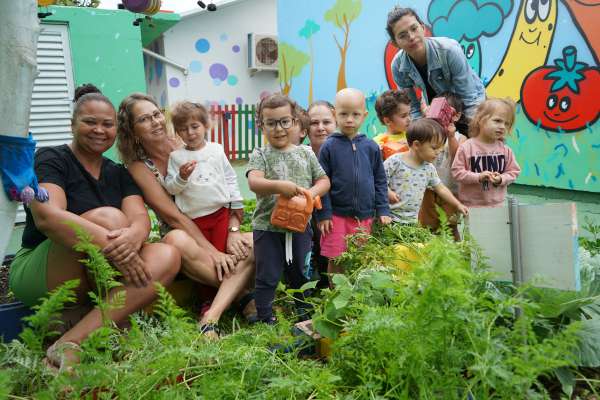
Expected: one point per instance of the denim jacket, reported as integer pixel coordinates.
(448, 71)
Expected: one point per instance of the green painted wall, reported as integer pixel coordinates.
(106, 49)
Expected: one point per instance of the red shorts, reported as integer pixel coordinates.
(334, 243)
(215, 227)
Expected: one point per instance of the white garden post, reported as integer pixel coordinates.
(19, 30)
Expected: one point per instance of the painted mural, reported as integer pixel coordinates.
(202, 64)
(541, 53)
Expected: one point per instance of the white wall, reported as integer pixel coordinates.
(186, 44)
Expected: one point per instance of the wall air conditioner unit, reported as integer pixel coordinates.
(263, 52)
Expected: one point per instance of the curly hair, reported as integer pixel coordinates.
(387, 103)
(129, 148)
(487, 108)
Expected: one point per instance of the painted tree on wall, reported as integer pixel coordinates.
(292, 63)
(342, 14)
(310, 28)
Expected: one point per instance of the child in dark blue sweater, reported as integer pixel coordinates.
(358, 183)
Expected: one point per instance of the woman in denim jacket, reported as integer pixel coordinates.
(434, 64)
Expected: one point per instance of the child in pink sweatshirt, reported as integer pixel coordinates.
(484, 166)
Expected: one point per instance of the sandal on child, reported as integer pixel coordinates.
(57, 357)
(247, 307)
(209, 329)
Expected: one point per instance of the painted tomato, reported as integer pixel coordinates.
(563, 97)
(388, 56)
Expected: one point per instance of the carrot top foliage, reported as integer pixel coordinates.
(442, 329)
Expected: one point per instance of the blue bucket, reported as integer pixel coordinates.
(11, 314)
(11, 320)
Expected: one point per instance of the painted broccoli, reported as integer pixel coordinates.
(468, 20)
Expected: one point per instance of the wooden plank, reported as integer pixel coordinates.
(241, 143)
(234, 151)
(213, 128)
(219, 125)
(225, 124)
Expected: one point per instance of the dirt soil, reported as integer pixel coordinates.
(5, 295)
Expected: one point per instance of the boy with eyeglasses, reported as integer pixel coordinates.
(285, 169)
(358, 182)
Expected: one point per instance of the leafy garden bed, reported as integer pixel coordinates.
(435, 328)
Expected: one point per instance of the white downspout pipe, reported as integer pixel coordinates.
(166, 61)
(19, 30)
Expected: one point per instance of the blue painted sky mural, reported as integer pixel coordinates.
(541, 53)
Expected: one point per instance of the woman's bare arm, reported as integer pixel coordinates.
(51, 219)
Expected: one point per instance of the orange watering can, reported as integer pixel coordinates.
(294, 213)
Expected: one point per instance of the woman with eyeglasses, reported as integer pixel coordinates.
(98, 195)
(145, 147)
(434, 65)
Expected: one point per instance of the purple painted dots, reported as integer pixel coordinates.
(218, 71)
(174, 82)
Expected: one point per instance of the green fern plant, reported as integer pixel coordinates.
(103, 274)
(41, 325)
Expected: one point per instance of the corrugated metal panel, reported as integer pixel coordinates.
(51, 106)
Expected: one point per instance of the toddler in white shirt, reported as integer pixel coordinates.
(201, 178)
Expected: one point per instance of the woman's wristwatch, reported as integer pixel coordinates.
(234, 229)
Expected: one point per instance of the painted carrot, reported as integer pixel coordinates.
(586, 14)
